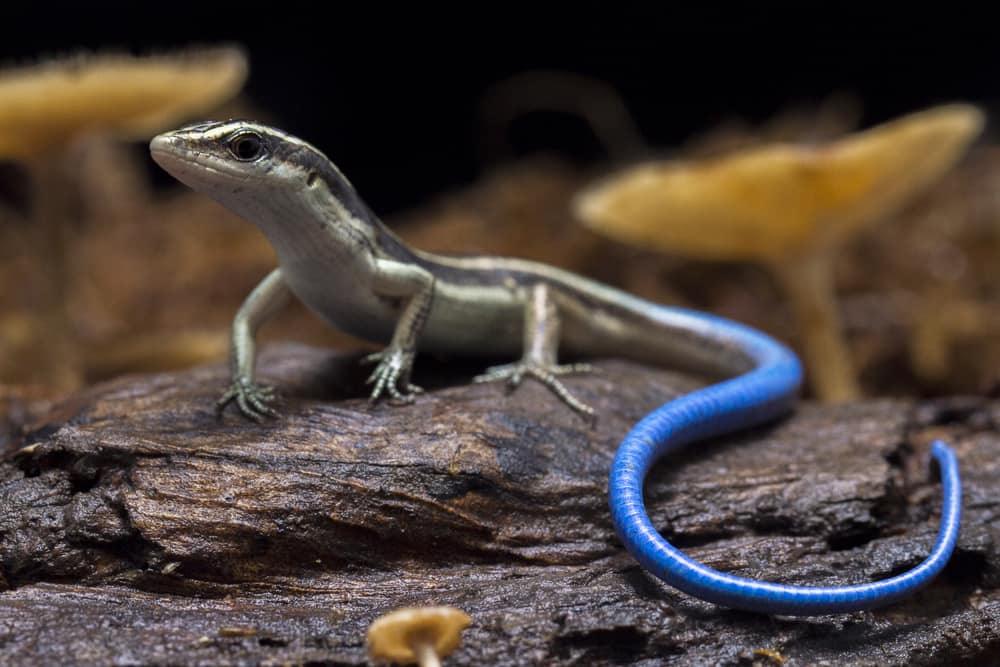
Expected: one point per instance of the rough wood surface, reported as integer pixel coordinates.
(136, 528)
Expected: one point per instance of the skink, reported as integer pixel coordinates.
(338, 258)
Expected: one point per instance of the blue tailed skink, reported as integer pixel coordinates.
(339, 259)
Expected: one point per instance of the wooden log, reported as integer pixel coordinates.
(136, 527)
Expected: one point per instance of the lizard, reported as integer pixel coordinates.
(338, 258)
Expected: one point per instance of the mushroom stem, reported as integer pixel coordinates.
(943, 319)
(807, 280)
(55, 231)
(426, 655)
(930, 339)
(417, 634)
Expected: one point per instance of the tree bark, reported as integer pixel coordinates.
(136, 527)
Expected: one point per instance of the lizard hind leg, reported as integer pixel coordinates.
(541, 345)
(546, 374)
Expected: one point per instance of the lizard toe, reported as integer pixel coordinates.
(247, 409)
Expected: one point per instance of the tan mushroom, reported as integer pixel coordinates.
(47, 111)
(944, 318)
(47, 105)
(417, 635)
(789, 208)
(48, 108)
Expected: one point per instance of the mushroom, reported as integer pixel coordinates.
(595, 102)
(50, 107)
(789, 208)
(47, 105)
(943, 318)
(417, 635)
(47, 111)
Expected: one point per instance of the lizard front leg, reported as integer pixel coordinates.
(541, 347)
(395, 363)
(265, 300)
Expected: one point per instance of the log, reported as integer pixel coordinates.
(137, 527)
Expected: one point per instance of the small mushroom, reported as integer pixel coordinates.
(789, 208)
(417, 635)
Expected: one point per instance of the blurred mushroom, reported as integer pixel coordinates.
(48, 112)
(48, 105)
(594, 101)
(829, 119)
(946, 317)
(47, 109)
(417, 635)
(789, 208)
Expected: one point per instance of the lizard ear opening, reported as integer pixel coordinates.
(312, 179)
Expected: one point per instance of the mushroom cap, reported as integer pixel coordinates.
(775, 200)
(391, 637)
(46, 105)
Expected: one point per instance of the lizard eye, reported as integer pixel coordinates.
(246, 146)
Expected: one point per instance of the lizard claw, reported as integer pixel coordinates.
(392, 375)
(372, 358)
(254, 401)
(544, 373)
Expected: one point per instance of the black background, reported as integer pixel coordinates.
(392, 94)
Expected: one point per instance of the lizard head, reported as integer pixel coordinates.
(274, 180)
(243, 163)
(227, 157)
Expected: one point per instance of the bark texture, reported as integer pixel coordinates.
(137, 528)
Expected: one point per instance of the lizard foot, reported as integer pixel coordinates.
(546, 374)
(392, 375)
(254, 400)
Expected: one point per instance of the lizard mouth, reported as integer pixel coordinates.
(194, 168)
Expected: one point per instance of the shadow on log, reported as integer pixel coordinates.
(136, 527)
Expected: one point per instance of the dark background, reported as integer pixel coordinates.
(392, 95)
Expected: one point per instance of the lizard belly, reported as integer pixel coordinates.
(473, 320)
(343, 301)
